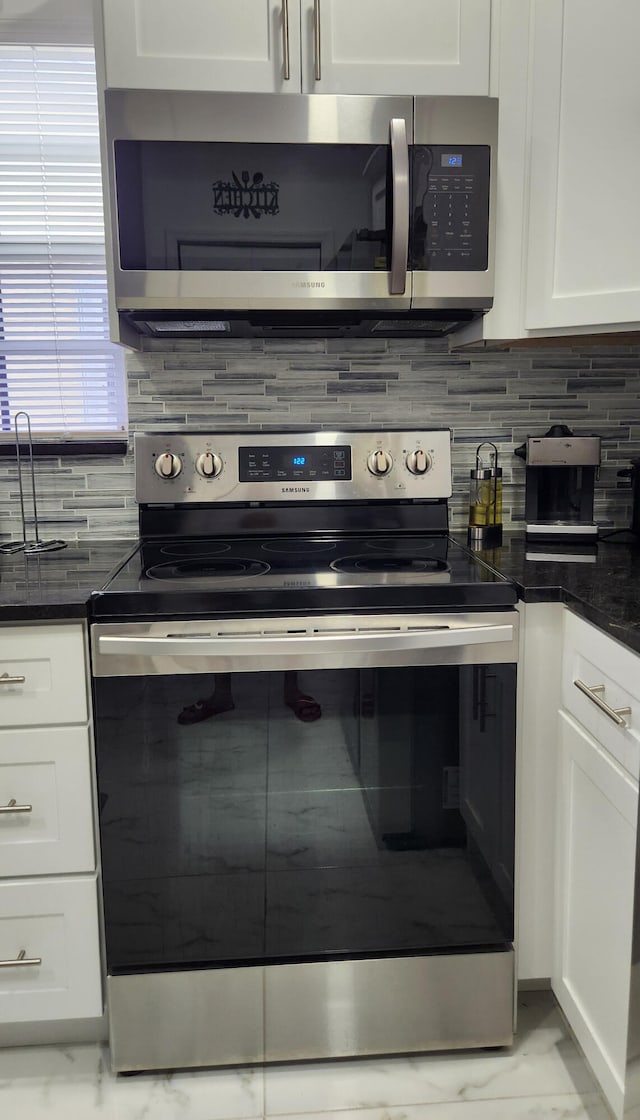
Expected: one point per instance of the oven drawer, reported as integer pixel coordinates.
(46, 822)
(49, 950)
(42, 675)
(611, 674)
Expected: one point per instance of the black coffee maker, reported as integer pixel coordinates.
(561, 470)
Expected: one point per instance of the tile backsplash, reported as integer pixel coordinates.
(497, 395)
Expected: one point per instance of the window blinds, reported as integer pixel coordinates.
(55, 359)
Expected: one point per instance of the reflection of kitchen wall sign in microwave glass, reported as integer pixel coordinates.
(246, 199)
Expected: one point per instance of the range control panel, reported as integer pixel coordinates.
(204, 467)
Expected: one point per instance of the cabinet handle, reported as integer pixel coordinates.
(21, 961)
(6, 679)
(317, 57)
(285, 40)
(13, 808)
(615, 714)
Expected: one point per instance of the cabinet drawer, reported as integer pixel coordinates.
(42, 675)
(55, 922)
(46, 773)
(595, 659)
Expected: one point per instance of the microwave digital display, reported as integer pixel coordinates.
(451, 159)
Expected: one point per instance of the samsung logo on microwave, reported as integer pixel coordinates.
(307, 283)
(295, 489)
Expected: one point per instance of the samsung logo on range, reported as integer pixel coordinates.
(308, 283)
(295, 489)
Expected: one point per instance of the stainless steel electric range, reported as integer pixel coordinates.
(305, 731)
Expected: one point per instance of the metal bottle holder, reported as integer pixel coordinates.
(34, 547)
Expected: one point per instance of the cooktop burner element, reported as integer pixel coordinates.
(208, 567)
(295, 522)
(297, 545)
(410, 547)
(191, 548)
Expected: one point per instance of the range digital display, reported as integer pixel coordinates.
(294, 464)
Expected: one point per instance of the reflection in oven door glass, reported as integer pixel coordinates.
(288, 816)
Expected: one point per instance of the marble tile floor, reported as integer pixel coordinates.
(543, 1077)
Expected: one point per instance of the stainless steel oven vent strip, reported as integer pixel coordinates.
(309, 632)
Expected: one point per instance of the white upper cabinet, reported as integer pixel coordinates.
(293, 46)
(231, 45)
(583, 259)
(395, 46)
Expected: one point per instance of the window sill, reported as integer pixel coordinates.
(61, 449)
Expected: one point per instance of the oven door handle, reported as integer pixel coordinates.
(371, 642)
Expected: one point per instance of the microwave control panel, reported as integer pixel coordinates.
(207, 467)
(450, 191)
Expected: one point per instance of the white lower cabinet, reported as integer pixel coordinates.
(52, 924)
(576, 829)
(597, 807)
(46, 822)
(50, 965)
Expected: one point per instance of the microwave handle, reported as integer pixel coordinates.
(399, 205)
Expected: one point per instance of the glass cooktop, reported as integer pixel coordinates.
(291, 573)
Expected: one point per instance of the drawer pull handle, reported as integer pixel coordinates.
(615, 714)
(12, 807)
(6, 679)
(21, 961)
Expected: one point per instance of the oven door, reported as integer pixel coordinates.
(305, 790)
(239, 202)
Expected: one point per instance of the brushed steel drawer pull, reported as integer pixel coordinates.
(615, 714)
(6, 679)
(21, 960)
(12, 807)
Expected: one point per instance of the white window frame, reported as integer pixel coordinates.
(59, 353)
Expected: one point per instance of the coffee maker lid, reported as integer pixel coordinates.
(559, 447)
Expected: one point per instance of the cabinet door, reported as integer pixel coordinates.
(49, 949)
(42, 675)
(584, 220)
(46, 824)
(596, 843)
(229, 45)
(395, 46)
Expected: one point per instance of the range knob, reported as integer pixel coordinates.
(208, 464)
(168, 465)
(419, 462)
(379, 463)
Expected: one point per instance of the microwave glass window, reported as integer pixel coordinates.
(450, 208)
(186, 206)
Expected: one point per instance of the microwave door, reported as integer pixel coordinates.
(245, 203)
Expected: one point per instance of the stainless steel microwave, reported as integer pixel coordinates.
(247, 214)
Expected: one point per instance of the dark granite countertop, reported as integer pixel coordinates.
(604, 589)
(57, 585)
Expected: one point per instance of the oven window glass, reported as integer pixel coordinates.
(282, 816)
(258, 207)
